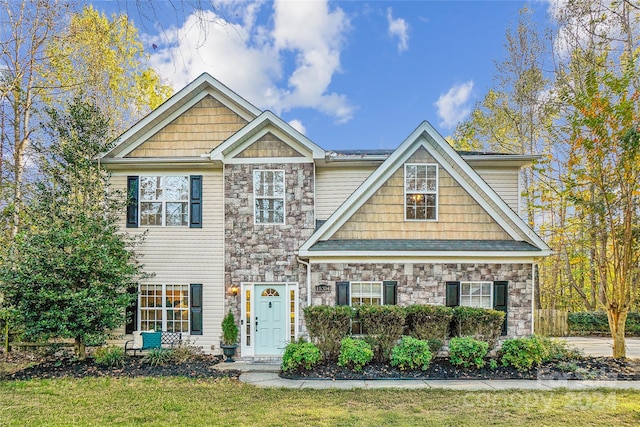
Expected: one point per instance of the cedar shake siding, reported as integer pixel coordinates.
(199, 130)
(459, 215)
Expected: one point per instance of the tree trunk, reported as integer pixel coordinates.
(617, 320)
(79, 348)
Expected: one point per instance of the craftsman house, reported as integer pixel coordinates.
(244, 213)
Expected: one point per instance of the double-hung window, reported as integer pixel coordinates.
(476, 294)
(164, 307)
(421, 192)
(365, 293)
(268, 195)
(479, 294)
(164, 200)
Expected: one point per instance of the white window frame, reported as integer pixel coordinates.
(283, 197)
(163, 201)
(477, 282)
(164, 309)
(363, 282)
(423, 192)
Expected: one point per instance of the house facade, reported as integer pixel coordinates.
(244, 213)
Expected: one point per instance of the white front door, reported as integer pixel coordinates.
(270, 319)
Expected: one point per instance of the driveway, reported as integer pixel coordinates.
(602, 346)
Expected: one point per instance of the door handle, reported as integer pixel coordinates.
(256, 323)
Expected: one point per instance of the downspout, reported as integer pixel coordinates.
(308, 278)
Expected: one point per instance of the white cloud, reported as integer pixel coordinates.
(453, 106)
(251, 58)
(297, 125)
(398, 28)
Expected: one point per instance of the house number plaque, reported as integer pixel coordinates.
(323, 288)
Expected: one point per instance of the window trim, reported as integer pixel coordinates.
(360, 282)
(434, 192)
(163, 309)
(472, 282)
(164, 202)
(283, 197)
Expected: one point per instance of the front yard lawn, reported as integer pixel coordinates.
(194, 402)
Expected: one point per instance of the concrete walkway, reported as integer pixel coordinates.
(266, 375)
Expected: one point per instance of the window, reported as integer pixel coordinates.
(364, 293)
(164, 307)
(268, 194)
(476, 294)
(164, 201)
(421, 192)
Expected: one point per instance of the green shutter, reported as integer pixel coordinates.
(132, 312)
(500, 300)
(342, 293)
(196, 309)
(390, 292)
(195, 205)
(453, 294)
(132, 202)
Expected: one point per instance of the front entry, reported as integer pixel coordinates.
(270, 319)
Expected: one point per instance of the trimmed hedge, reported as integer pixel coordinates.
(384, 325)
(596, 323)
(428, 322)
(479, 323)
(327, 326)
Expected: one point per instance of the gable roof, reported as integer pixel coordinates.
(424, 136)
(175, 106)
(265, 122)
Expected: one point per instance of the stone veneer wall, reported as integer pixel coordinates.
(425, 284)
(266, 253)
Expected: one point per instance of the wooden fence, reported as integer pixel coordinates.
(553, 323)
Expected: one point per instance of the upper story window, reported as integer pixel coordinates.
(164, 200)
(421, 192)
(268, 195)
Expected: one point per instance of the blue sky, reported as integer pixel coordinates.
(347, 74)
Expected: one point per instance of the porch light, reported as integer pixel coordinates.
(234, 290)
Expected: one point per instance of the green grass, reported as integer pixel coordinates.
(172, 402)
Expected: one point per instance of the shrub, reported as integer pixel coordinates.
(229, 329)
(557, 349)
(109, 356)
(354, 354)
(300, 355)
(435, 345)
(327, 326)
(383, 325)
(467, 351)
(479, 323)
(158, 357)
(596, 323)
(427, 322)
(523, 353)
(186, 351)
(411, 353)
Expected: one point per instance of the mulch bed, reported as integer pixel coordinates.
(67, 367)
(586, 368)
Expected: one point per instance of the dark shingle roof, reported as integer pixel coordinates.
(400, 245)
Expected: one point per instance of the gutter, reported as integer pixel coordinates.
(308, 279)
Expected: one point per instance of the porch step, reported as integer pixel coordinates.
(263, 360)
(248, 365)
